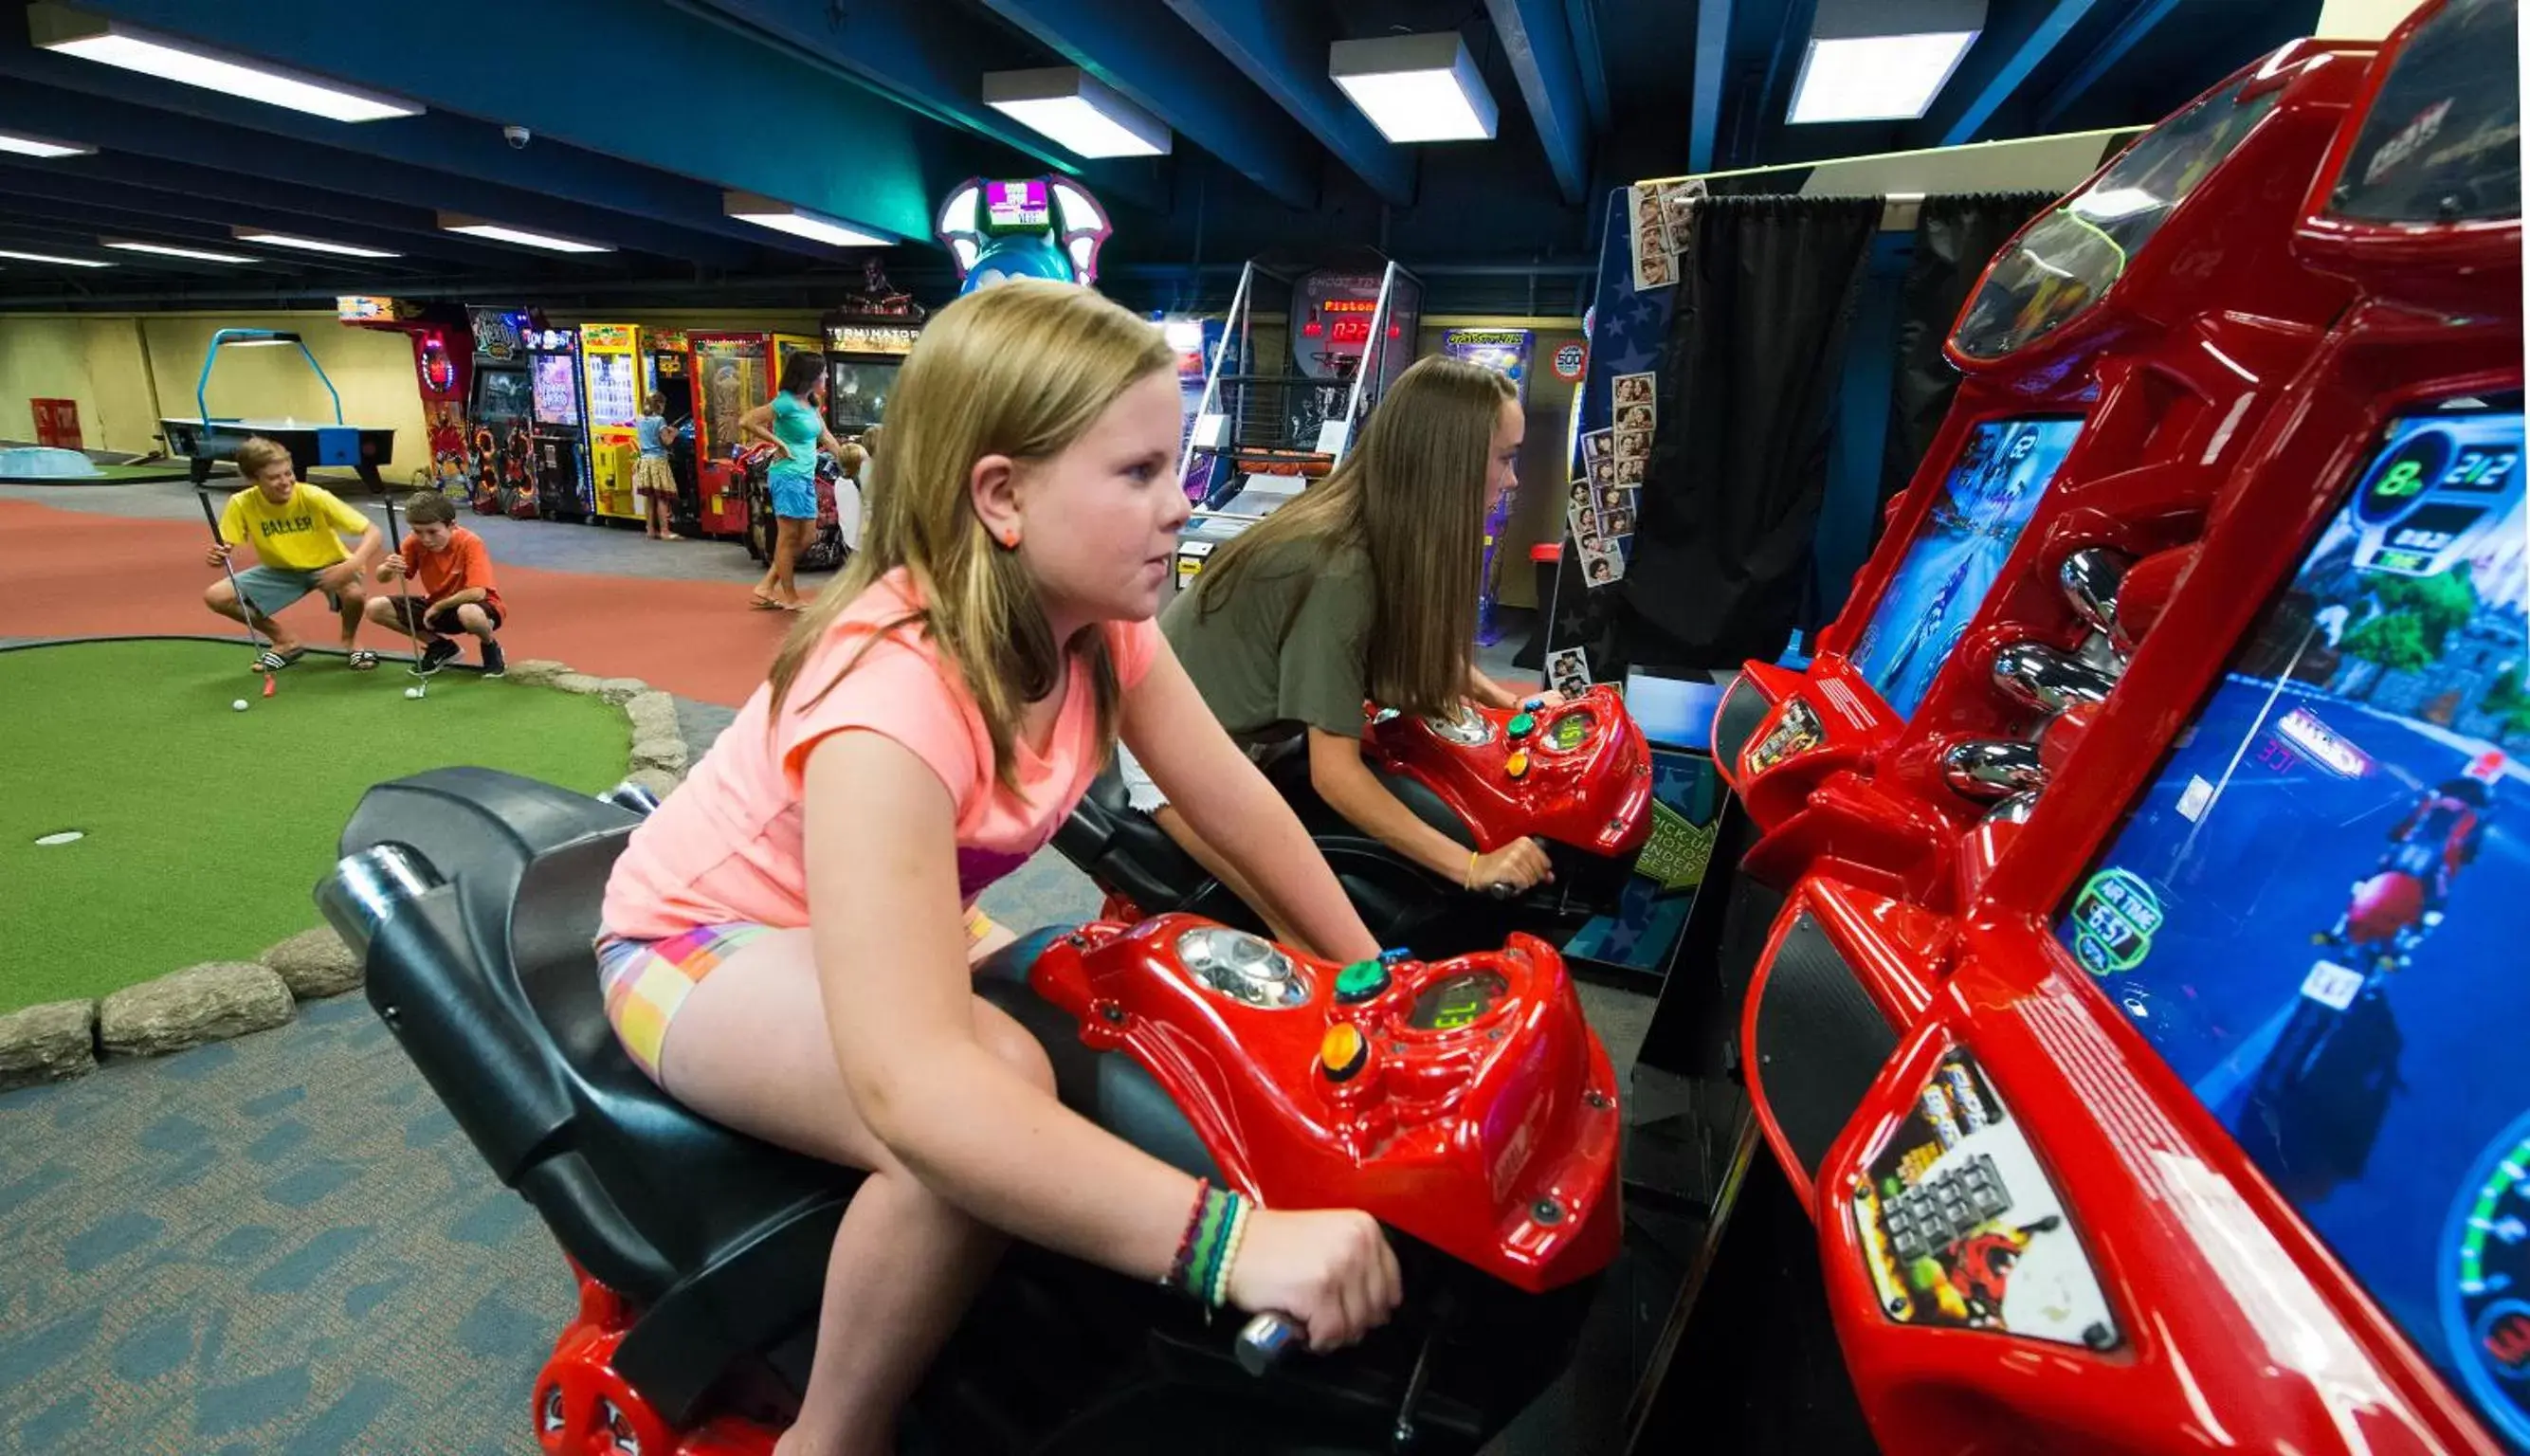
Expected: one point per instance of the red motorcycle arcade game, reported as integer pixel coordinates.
(2204, 1124)
(2118, 355)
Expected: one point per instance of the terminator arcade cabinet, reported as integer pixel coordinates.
(2203, 1123)
(560, 431)
(2117, 356)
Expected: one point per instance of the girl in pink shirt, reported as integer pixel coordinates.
(786, 939)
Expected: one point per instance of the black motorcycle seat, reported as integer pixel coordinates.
(490, 983)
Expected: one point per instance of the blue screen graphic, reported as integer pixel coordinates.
(2313, 910)
(1958, 553)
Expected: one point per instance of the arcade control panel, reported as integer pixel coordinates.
(1464, 1102)
(1578, 772)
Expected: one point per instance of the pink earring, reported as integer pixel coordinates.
(1010, 541)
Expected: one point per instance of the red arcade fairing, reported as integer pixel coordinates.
(2134, 1152)
(1578, 774)
(2119, 354)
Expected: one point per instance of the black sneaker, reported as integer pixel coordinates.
(437, 654)
(494, 664)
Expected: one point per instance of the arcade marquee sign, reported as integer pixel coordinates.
(859, 337)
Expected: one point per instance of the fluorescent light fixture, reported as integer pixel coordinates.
(1416, 87)
(475, 227)
(25, 146)
(46, 257)
(168, 249)
(1078, 111)
(306, 245)
(1882, 59)
(798, 222)
(74, 33)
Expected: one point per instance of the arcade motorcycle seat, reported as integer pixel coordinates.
(491, 987)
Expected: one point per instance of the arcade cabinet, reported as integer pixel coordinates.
(501, 414)
(612, 355)
(441, 373)
(558, 426)
(1033, 227)
(732, 375)
(787, 345)
(667, 370)
(867, 342)
(2202, 1123)
(2117, 357)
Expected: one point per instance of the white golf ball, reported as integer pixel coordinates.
(240, 705)
(413, 691)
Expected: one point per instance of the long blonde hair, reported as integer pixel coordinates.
(1022, 368)
(1411, 498)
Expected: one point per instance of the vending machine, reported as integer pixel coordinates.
(732, 375)
(558, 431)
(612, 355)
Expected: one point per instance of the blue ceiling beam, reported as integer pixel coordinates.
(636, 206)
(132, 132)
(932, 59)
(1538, 42)
(800, 136)
(1141, 49)
(1283, 49)
(1582, 20)
(220, 200)
(2015, 42)
(1712, 63)
(2140, 21)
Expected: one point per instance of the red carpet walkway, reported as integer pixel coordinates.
(75, 574)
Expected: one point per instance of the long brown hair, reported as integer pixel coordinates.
(1022, 368)
(1410, 496)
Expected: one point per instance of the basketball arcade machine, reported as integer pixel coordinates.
(612, 355)
(2117, 356)
(1299, 363)
(2162, 1104)
(558, 427)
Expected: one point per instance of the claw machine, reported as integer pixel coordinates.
(558, 433)
(611, 356)
(732, 374)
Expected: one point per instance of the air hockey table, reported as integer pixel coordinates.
(359, 448)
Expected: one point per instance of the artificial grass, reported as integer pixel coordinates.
(206, 829)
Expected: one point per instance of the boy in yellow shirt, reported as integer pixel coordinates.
(296, 532)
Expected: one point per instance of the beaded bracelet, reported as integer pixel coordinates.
(1202, 1269)
(1178, 1266)
(1239, 1214)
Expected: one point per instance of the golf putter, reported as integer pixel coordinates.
(245, 609)
(403, 595)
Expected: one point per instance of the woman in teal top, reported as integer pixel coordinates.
(795, 423)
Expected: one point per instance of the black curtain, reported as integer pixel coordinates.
(1755, 353)
(1955, 237)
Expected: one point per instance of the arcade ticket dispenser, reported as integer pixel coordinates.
(2203, 1124)
(2118, 355)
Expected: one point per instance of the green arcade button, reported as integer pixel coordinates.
(1360, 980)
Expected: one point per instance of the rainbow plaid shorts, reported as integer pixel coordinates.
(646, 980)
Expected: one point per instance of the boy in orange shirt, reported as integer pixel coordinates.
(457, 591)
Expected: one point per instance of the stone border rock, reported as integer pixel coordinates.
(220, 999)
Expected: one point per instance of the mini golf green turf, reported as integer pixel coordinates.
(206, 829)
(114, 475)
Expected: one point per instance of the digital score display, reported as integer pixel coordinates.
(1460, 1001)
(1017, 205)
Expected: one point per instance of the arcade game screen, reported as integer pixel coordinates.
(857, 393)
(1955, 556)
(557, 388)
(2313, 913)
(500, 394)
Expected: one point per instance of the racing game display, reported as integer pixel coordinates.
(1958, 552)
(2314, 912)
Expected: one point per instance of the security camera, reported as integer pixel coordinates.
(518, 137)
